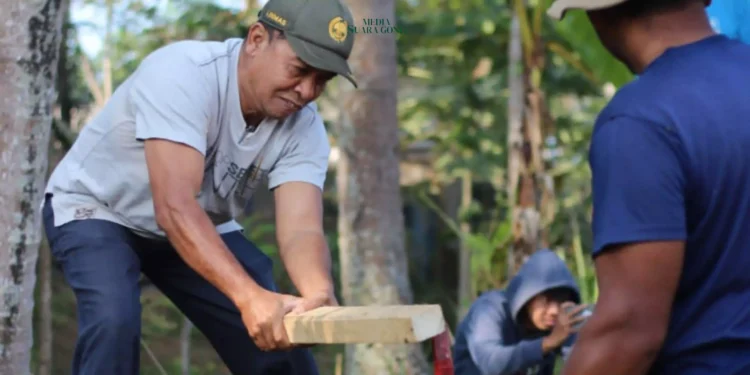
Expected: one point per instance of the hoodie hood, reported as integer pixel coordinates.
(543, 271)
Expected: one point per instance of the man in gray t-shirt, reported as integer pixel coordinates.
(154, 182)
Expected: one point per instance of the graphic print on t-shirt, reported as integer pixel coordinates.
(233, 177)
(231, 173)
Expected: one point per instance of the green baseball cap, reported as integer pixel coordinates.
(317, 31)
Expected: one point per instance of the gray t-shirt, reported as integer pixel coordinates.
(186, 92)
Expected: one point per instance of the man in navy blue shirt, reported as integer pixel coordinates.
(670, 162)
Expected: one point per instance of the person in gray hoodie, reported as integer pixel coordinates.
(521, 330)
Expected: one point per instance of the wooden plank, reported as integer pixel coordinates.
(394, 324)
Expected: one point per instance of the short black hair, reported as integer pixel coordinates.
(272, 31)
(639, 8)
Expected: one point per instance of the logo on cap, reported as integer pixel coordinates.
(277, 18)
(337, 29)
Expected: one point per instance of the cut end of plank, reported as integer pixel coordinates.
(393, 324)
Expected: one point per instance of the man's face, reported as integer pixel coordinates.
(276, 79)
(612, 31)
(605, 30)
(544, 308)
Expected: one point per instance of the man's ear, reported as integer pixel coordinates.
(257, 38)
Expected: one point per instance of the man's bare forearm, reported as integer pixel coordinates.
(307, 260)
(604, 348)
(195, 238)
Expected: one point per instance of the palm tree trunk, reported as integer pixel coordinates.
(520, 182)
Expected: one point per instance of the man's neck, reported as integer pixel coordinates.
(248, 103)
(252, 121)
(653, 36)
(248, 107)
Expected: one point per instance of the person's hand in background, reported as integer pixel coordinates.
(567, 324)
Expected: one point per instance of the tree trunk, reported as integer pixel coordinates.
(29, 46)
(187, 328)
(107, 53)
(539, 124)
(64, 86)
(465, 287)
(520, 181)
(374, 268)
(45, 312)
(530, 190)
(46, 335)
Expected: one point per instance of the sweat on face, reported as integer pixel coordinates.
(494, 338)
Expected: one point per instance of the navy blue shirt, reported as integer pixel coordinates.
(670, 160)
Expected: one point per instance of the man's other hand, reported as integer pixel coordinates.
(314, 301)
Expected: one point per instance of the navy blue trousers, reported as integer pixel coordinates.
(102, 262)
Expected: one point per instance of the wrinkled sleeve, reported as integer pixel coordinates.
(488, 351)
(638, 183)
(171, 100)
(305, 157)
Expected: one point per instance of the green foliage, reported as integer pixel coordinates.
(454, 95)
(262, 233)
(441, 100)
(578, 32)
(487, 270)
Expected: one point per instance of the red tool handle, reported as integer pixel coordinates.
(441, 349)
